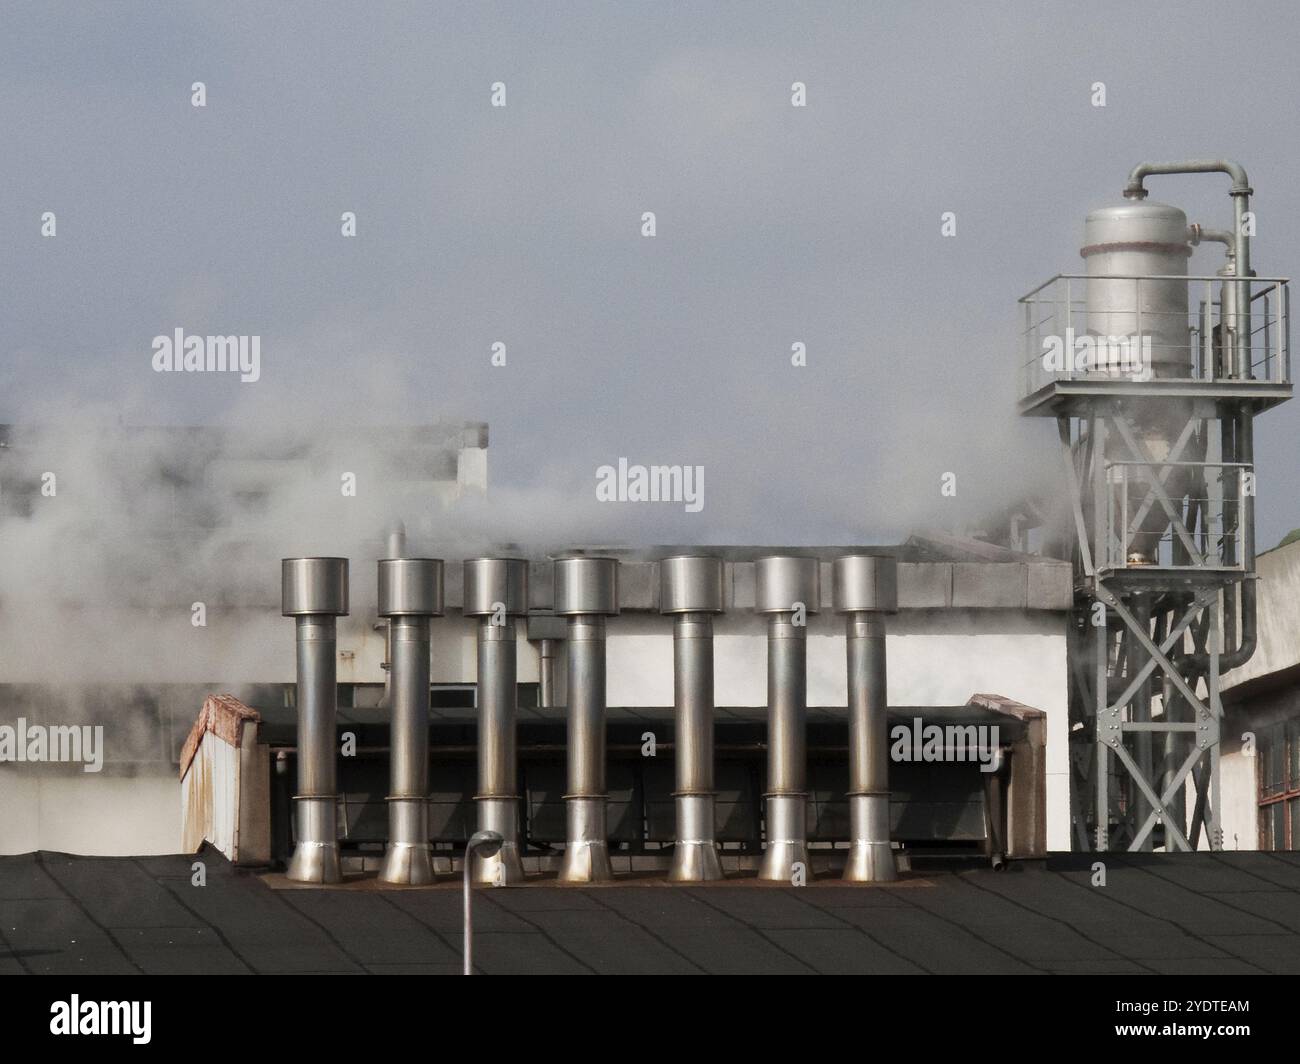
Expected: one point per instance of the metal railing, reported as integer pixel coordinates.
(1207, 527)
(1063, 337)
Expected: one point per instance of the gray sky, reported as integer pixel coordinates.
(522, 224)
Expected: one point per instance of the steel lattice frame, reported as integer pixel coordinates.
(1130, 630)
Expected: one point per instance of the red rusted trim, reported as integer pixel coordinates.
(1135, 245)
(223, 715)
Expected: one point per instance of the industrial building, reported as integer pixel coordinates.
(698, 710)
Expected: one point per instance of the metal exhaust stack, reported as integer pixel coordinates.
(496, 592)
(314, 591)
(866, 588)
(586, 592)
(410, 593)
(691, 589)
(786, 587)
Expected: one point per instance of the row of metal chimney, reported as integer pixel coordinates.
(315, 592)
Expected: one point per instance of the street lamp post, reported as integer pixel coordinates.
(485, 843)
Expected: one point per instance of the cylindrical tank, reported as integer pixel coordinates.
(1142, 238)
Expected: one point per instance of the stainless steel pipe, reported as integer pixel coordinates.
(788, 591)
(314, 591)
(586, 592)
(546, 673)
(866, 588)
(496, 592)
(1240, 192)
(410, 593)
(691, 590)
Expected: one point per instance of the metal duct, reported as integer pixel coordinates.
(691, 589)
(866, 588)
(314, 591)
(496, 592)
(397, 541)
(546, 673)
(786, 587)
(586, 592)
(1240, 193)
(410, 592)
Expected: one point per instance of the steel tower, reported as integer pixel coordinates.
(1154, 377)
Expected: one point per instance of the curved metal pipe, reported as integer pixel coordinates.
(1240, 192)
(1135, 189)
(482, 846)
(1198, 234)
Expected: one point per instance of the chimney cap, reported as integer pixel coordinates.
(410, 587)
(314, 587)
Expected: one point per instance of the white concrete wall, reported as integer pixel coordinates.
(1279, 616)
(88, 813)
(210, 796)
(245, 646)
(1239, 798)
(936, 658)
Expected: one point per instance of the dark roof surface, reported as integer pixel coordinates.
(1234, 913)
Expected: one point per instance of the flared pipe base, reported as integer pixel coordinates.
(408, 864)
(315, 862)
(316, 851)
(408, 859)
(506, 866)
(586, 851)
(695, 853)
(871, 858)
(787, 839)
(695, 862)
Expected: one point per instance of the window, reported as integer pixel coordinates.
(1279, 786)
